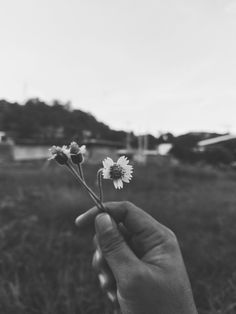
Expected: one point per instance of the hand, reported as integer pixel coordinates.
(139, 261)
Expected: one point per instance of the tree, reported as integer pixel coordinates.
(38, 122)
(218, 155)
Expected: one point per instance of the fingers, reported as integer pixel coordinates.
(114, 248)
(86, 220)
(106, 279)
(138, 223)
(135, 219)
(125, 212)
(105, 276)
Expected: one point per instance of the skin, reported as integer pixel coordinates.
(138, 261)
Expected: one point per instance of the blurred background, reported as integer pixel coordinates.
(154, 81)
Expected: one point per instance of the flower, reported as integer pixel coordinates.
(77, 152)
(60, 154)
(118, 171)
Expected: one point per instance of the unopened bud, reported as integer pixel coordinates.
(59, 154)
(76, 153)
(77, 159)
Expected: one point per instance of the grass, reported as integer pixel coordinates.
(45, 263)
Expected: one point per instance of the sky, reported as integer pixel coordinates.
(147, 66)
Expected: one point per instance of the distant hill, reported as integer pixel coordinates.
(38, 122)
(192, 138)
(184, 148)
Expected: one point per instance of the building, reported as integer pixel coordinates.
(164, 149)
(159, 158)
(228, 140)
(97, 150)
(30, 152)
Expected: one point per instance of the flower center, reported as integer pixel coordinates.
(116, 172)
(61, 157)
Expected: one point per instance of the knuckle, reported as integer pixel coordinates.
(168, 234)
(172, 240)
(126, 204)
(172, 235)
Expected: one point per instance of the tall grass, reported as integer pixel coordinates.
(45, 262)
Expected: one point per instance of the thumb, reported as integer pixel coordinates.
(117, 253)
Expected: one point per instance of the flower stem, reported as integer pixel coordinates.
(81, 171)
(91, 193)
(99, 179)
(81, 174)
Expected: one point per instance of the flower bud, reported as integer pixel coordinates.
(77, 159)
(76, 153)
(59, 154)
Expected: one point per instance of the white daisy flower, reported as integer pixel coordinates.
(60, 154)
(118, 171)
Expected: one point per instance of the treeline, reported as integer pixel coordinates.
(185, 149)
(38, 122)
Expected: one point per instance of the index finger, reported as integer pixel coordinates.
(134, 219)
(86, 220)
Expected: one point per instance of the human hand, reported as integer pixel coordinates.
(139, 261)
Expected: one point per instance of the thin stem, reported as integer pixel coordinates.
(81, 174)
(81, 171)
(99, 179)
(92, 194)
(77, 175)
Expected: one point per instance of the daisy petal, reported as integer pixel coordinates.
(65, 150)
(127, 175)
(118, 184)
(122, 161)
(108, 162)
(125, 179)
(83, 149)
(106, 173)
(128, 167)
(115, 184)
(52, 157)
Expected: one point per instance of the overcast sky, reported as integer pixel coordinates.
(148, 65)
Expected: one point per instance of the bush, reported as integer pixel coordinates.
(218, 155)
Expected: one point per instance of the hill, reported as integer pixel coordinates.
(38, 122)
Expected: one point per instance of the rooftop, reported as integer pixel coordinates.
(98, 142)
(216, 140)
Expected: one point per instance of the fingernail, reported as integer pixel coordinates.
(78, 219)
(97, 256)
(102, 280)
(103, 223)
(111, 296)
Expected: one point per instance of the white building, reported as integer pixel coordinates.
(204, 144)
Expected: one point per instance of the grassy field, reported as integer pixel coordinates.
(45, 263)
